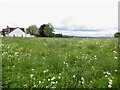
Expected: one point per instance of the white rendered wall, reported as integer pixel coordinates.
(17, 33)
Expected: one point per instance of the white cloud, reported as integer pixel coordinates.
(108, 33)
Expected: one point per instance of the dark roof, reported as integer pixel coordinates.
(10, 29)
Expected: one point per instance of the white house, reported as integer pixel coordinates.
(15, 32)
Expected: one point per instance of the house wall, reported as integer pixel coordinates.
(27, 35)
(1, 35)
(17, 33)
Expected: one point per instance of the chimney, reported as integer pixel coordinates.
(7, 26)
(8, 29)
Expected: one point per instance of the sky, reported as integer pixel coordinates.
(93, 18)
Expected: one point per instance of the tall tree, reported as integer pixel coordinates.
(41, 30)
(33, 30)
(46, 30)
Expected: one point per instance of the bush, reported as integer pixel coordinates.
(117, 34)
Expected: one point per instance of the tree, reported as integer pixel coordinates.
(41, 30)
(58, 35)
(117, 34)
(46, 30)
(32, 30)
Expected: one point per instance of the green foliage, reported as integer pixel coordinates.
(46, 30)
(117, 34)
(49, 30)
(58, 35)
(59, 62)
(33, 30)
(66, 36)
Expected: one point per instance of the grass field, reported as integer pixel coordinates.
(59, 62)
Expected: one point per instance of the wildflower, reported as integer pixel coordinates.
(59, 77)
(63, 62)
(16, 53)
(39, 82)
(34, 78)
(56, 82)
(114, 52)
(115, 70)
(34, 85)
(59, 73)
(104, 72)
(53, 78)
(110, 83)
(109, 86)
(67, 65)
(46, 86)
(48, 79)
(83, 82)
(74, 76)
(31, 75)
(32, 69)
(109, 73)
(91, 81)
(82, 79)
(44, 71)
(52, 82)
(110, 80)
(95, 58)
(106, 75)
(115, 57)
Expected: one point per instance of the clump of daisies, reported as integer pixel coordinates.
(109, 76)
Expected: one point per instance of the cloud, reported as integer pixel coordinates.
(60, 28)
(86, 31)
(76, 28)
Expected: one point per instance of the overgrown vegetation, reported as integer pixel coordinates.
(59, 62)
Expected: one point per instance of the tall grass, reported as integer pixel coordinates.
(59, 62)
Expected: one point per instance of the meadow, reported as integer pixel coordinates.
(59, 62)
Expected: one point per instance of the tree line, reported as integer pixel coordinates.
(45, 30)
